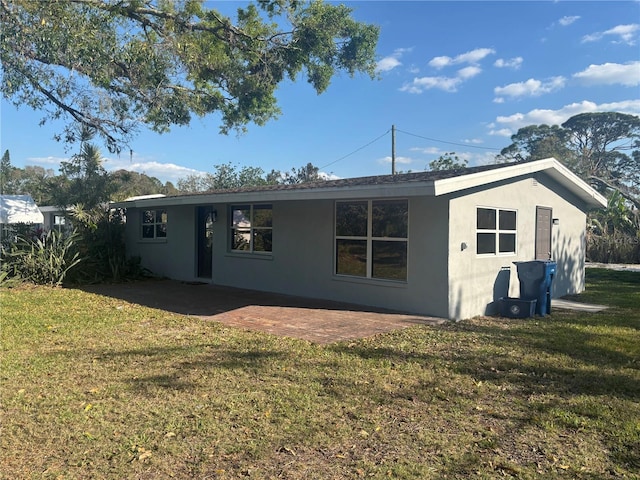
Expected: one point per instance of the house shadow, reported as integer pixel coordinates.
(315, 320)
(205, 299)
(500, 290)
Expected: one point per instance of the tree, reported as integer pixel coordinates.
(304, 174)
(593, 145)
(112, 65)
(226, 176)
(84, 181)
(33, 180)
(129, 184)
(600, 140)
(6, 170)
(535, 142)
(448, 161)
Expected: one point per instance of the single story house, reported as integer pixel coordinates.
(436, 243)
(55, 218)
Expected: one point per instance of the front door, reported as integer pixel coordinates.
(206, 217)
(543, 233)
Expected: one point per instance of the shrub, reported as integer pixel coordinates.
(44, 260)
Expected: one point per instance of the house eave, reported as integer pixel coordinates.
(409, 189)
(385, 189)
(550, 166)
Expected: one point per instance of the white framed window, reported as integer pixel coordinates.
(496, 231)
(251, 228)
(59, 223)
(154, 224)
(371, 239)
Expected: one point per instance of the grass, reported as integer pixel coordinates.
(94, 387)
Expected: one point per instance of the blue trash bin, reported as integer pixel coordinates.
(535, 279)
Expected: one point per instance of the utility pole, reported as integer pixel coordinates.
(393, 149)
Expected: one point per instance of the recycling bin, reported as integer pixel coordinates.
(517, 307)
(535, 279)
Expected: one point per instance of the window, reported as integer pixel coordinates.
(251, 228)
(154, 224)
(371, 239)
(496, 231)
(59, 222)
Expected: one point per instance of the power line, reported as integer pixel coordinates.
(356, 150)
(410, 134)
(466, 145)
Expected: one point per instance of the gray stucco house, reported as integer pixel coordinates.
(434, 243)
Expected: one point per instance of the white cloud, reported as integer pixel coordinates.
(514, 63)
(440, 62)
(46, 162)
(472, 57)
(427, 150)
(419, 85)
(621, 33)
(392, 61)
(469, 72)
(451, 83)
(568, 20)
(399, 160)
(162, 171)
(627, 74)
(388, 63)
(530, 88)
(165, 172)
(502, 132)
(508, 125)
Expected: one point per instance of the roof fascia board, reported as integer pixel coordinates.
(463, 182)
(551, 166)
(408, 189)
(581, 188)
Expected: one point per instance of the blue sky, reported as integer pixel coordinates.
(453, 77)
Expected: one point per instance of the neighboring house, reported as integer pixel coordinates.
(17, 210)
(55, 218)
(434, 243)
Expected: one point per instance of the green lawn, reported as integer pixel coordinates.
(93, 387)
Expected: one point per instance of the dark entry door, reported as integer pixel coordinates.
(206, 217)
(543, 233)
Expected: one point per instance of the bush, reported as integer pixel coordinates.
(613, 249)
(44, 260)
(101, 244)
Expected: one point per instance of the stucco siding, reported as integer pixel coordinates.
(476, 282)
(445, 275)
(173, 257)
(302, 261)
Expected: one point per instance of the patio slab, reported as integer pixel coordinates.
(317, 321)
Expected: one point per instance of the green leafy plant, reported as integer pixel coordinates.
(42, 260)
(101, 244)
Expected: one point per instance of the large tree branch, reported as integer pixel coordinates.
(631, 198)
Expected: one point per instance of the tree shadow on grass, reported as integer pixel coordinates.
(178, 362)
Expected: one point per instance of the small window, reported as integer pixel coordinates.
(371, 239)
(251, 228)
(59, 223)
(154, 224)
(496, 231)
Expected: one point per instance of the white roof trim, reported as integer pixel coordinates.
(440, 187)
(551, 166)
